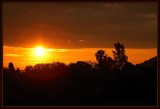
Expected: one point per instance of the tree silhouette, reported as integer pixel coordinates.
(28, 68)
(119, 56)
(100, 56)
(18, 70)
(11, 67)
(109, 63)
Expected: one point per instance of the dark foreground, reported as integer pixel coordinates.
(80, 84)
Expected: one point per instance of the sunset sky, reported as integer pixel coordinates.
(70, 32)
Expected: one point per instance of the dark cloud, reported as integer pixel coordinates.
(63, 25)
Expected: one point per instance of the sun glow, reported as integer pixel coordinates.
(39, 51)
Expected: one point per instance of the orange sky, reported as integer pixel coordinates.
(72, 32)
(80, 25)
(27, 56)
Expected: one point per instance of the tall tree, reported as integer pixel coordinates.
(100, 56)
(119, 56)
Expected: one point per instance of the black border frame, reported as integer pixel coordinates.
(61, 107)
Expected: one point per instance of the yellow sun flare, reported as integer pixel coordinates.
(39, 51)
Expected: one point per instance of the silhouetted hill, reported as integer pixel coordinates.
(149, 63)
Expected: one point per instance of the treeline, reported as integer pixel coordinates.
(110, 82)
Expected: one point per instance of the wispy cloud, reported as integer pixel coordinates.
(81, 40)
(112, 6)
(14, 55)
(49, 49)
(15, 47)
(151, 16)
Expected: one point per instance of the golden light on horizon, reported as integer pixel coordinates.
(39, 51)
(21, 57)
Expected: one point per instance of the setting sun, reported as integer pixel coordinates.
(39, 51)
